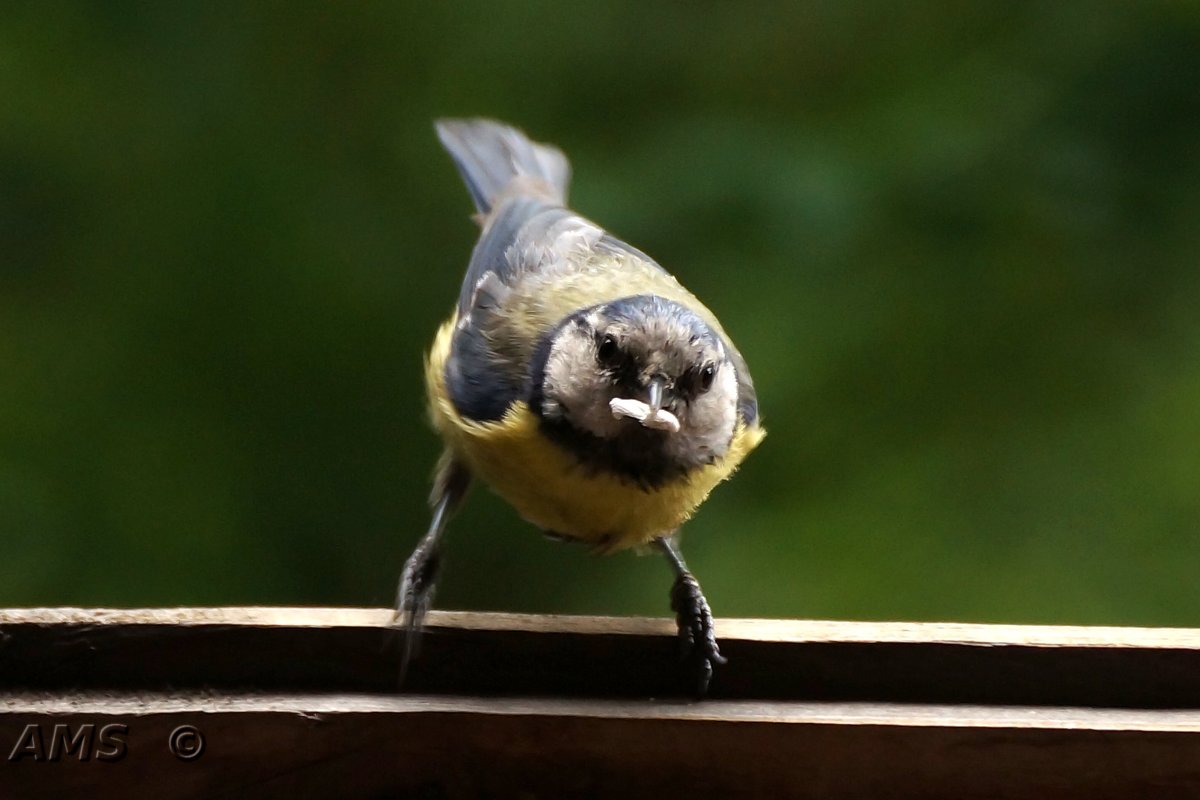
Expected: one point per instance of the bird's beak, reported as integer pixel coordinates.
(655, 390)
(650, 413)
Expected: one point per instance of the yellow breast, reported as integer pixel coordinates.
(549, 488)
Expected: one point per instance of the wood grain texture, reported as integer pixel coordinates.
(294, 649)
(303, 703)
(373, 746)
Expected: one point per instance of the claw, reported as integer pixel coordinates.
(413, 600)
(697, 635)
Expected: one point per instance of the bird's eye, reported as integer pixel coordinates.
(607, 352)
(706, 377)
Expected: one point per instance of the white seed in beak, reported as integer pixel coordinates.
(659, 419)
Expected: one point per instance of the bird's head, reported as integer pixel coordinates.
(647, 377)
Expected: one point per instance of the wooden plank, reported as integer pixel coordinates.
(281, 649)
(303, 703)
(364, 746)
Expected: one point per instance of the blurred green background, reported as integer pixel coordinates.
(959, 245)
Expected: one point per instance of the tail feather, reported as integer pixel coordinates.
(491, 156)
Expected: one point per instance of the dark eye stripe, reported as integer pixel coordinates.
(607, 351)
(697, 380)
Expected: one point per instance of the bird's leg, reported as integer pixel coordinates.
(417, 582)
(419, 577)
(697, 637)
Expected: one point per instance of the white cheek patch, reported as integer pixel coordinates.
(661, 420)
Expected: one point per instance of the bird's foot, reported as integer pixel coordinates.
(697, 637)
(413, 599)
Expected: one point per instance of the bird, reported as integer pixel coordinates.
(579, 380)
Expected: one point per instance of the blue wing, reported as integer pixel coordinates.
(483, 382)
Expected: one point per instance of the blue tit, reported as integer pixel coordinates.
(578, 379)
